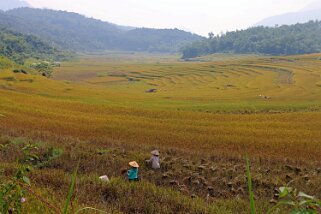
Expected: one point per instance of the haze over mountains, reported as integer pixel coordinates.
(11, 4)
(71, 31)
(305, 14)
(310, 12)
(313, 6)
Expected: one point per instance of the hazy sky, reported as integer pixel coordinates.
(199, 16)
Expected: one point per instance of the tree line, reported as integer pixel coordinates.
(279, 40)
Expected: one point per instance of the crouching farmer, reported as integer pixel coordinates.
(133, 172)
(154, 160)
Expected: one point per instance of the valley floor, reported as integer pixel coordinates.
(204, 116)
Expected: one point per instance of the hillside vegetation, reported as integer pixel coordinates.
(75, 32)
(19, 47)
(283, 40)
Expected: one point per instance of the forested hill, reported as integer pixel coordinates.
(19, 47)
(159, 40)
(283, 40)
(75, 32)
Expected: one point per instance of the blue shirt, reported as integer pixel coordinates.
(132, 173)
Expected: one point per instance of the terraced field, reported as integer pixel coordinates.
(263, 82)
(204, 116)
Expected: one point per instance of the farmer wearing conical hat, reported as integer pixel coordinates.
(133, 172)
(154, 160)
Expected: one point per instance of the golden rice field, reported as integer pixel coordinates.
(226, 84)
(216, 108)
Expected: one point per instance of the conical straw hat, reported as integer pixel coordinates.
(155, 152)
(133, 164)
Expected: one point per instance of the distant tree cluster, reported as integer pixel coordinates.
(283, 40)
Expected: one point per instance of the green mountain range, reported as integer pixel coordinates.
(72, 31)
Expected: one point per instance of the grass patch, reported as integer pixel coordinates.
(27, 80)
(9, 79)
